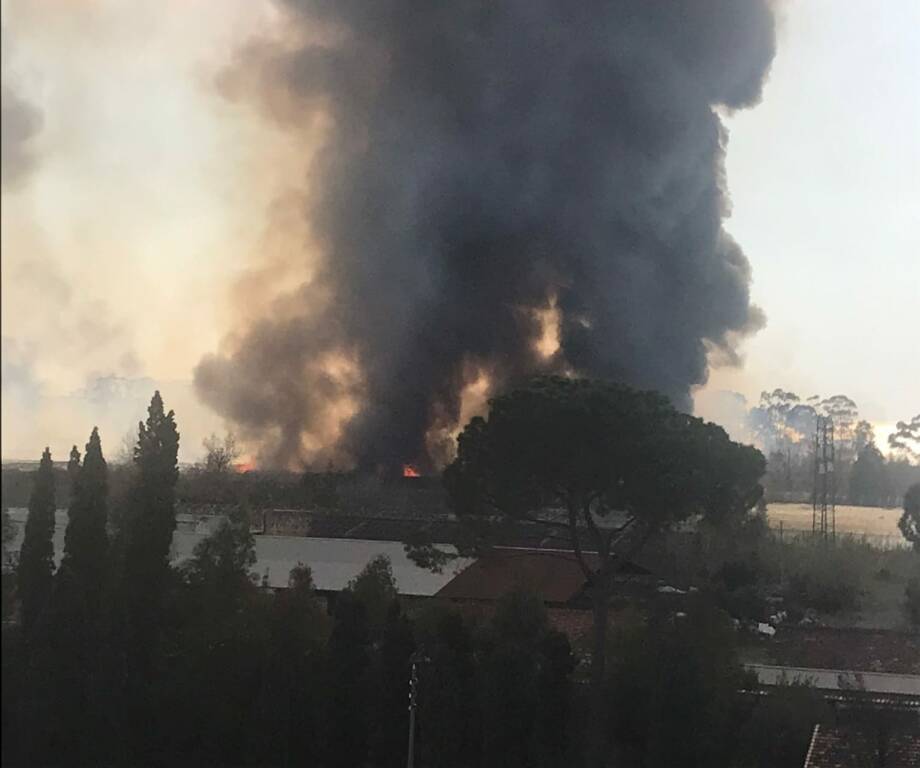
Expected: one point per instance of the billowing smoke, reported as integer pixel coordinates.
(500, 188)
(20, 122)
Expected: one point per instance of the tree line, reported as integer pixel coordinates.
(122, 658)
(784, 425)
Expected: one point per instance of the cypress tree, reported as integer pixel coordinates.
(36, 557)
(153, 516)
(391, 673)
(73, 466)
(148, 531)
(347, 704)
(78, 618)
(86, 541)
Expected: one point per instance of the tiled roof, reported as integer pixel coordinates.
(846, 648)
(851, 748)
(554, 576)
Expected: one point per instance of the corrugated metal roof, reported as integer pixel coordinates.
(334, 561)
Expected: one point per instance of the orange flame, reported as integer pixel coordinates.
(244, 466)
(410, 471)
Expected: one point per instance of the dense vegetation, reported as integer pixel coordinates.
(783, 424)
(127, 660)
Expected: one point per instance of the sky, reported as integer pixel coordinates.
(825, 181)
(145, 192)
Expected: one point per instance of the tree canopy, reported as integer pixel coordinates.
(86, 540)
(869, 481)
(604, 468)
(910, 519)
(905, 440)
(599, 464)
(152, 518)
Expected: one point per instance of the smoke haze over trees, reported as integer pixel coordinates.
(783, 425)
(495, 191)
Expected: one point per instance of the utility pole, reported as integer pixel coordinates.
(417, 658)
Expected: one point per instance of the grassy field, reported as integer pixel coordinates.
(875, 577)
(878, 524)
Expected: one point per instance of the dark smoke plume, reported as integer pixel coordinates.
(486, 159)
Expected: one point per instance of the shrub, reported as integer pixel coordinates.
(912, 593)
(677, 676)
(746, 602)
(826, 579)
(735, 574)
(822, 592)
(779, 729)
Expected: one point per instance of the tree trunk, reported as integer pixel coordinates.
(597, 723)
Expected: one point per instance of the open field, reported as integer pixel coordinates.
(878, 524)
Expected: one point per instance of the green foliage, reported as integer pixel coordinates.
(779, 728)
(389, 678)
(912, 600)
(216, 630)
(347, 713)
(524, 660)
(72, 649)
(450, 715)
(572, 454)
(594, 448)
(9, 596)
(154, 519)
(672, 690)
(869, 481)
(213, 670)
(905, 440)
(375, 589)
(823, 578)
(36, 558)
(225, 558)
(73, 465)
(910, 519)
(147, 527)
(150, 522)
(289, 703)
(86, 539)
(17, 484)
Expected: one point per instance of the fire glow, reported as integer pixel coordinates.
(410, 471)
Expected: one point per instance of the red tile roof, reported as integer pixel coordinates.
(850, 748)
(556, 577)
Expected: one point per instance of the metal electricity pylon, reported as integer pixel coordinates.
(824, 493)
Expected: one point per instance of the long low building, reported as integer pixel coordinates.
(334, 562)
(881, 683)
(338, 547)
